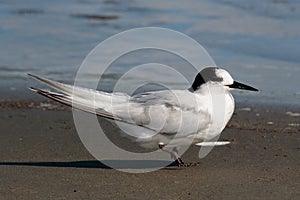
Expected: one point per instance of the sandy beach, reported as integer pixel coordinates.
(42, 157)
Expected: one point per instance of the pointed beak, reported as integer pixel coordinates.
(242, 86)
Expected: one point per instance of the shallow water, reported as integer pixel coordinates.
(259, 43)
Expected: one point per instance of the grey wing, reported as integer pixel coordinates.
(170, 112)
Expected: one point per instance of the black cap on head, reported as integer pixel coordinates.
(207, 74)
(197, 82)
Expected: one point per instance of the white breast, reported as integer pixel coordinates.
(221, 107)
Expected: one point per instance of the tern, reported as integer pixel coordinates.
(165, 119)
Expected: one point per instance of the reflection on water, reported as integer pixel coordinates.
(258, 42)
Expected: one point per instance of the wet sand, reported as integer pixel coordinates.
(42, 157)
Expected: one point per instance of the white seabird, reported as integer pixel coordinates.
(164, 119)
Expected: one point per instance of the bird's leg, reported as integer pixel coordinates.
(176, 157)
(173, 153)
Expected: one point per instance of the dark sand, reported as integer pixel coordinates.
(42, 157)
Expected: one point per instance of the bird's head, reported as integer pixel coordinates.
(218, 76)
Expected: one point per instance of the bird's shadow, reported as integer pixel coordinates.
(117, 164)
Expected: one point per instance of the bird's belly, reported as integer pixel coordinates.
(220, 116)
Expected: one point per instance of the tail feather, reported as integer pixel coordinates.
(102, 100)
(64, 88)
(81, 99)
(75, 103)
(61, 98)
